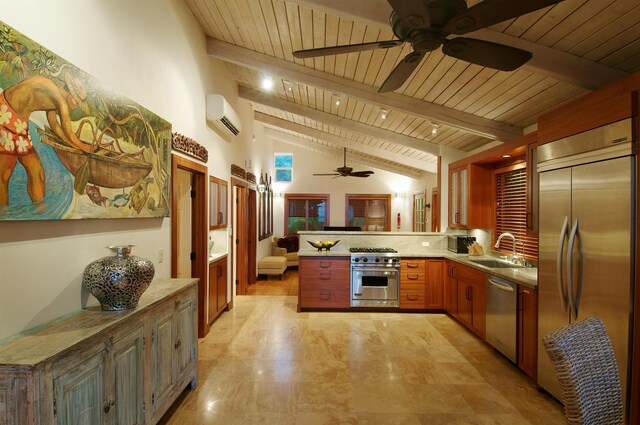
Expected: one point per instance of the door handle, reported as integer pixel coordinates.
(501, 286)
(561, 290)
(573, 302)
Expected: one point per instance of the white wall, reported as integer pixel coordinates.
(307, 162)
(152, 51)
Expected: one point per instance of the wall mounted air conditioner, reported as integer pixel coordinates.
(221, 115)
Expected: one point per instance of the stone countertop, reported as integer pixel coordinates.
(215, 256)
(29, 348)
(523, 276)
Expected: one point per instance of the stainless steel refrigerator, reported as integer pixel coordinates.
(586, 239)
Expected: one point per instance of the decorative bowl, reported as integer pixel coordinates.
(326, 245)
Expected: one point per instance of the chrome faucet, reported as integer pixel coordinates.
(514, 257)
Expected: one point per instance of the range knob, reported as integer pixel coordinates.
(377, 259)
(356, 260)
(365, 259)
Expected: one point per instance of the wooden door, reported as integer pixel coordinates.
(252, 237)
(213, 291)
(184, 337)
(199, 226)
(163, 377)
(464, 302)
(240, 240)
(434, 277)
(78, 393)
(128, 375)
(479, 308)
(221, 270)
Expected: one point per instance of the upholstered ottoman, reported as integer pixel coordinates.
(272, 265)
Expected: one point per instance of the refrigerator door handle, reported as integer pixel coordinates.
(573, 303)
(561, 289)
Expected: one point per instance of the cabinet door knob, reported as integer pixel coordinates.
(109, 404)
(177, 303)
(177, 344)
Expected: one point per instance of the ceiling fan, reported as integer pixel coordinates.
(345, 171)
(427, 23)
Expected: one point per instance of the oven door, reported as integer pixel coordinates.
(370, 284)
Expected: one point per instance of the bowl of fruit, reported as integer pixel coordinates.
(326, 245)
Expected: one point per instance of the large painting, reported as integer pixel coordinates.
(70, 148)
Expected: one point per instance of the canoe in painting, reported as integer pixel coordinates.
(107, 168)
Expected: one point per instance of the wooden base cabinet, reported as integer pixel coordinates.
(324, 282)
(217, 288)
(450, 289)
(100, 367)
(472, 300)
(413, 283)
(435, 284)
(527, 330)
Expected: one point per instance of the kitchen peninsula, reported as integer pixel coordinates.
(421, 276)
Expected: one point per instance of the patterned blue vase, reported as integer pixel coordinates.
(118, 281)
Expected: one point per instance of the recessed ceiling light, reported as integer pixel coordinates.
(338, 100)
(506, 156)
(287, 86)
(267, 83)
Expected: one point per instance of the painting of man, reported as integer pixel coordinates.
(71, 148)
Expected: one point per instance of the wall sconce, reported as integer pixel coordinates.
(397, 195)
(384, 113)
(279, 194)
(262, 187)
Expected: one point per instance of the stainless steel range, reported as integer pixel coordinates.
(375, 276)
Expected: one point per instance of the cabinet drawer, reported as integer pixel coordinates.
(412, 277)
(336, 279)
(413, 264)
(325, 298)
(412, 297)
(325, 263)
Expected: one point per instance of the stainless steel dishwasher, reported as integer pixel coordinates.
(502, 314)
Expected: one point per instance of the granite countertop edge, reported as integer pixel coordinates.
(527, 277)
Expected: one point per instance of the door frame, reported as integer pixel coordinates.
(239, 255)
(199, 231)
(252, 252)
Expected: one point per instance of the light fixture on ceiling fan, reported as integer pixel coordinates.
(427, 23)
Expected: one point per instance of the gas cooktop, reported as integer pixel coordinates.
(362, 250)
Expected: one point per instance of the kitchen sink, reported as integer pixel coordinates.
(495, 264)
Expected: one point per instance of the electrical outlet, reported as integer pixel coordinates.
(160, 255)
(426, 243)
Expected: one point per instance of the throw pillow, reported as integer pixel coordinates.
(290, 243)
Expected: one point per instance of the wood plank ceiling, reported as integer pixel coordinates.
(580, 45)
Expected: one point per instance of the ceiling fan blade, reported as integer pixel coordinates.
(414, 13)
(360, 173)
(346, 48)
(331, 174)
(401, 72)
(486, 53)
(489, 12)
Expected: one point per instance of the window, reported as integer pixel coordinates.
(283, 167)
(511, 211)
(305, 212)
(369, 212)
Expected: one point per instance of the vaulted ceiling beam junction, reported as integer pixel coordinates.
(553, 63)
(387, 164)
(337, 121)
(435, 113)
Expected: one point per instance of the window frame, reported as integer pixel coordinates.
(519, 227)
(386, 197)
(307, 197)
(276, 168)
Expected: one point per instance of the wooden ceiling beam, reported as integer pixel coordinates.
(404, 166)
(553, 63)
(435, 113)
(337, 121)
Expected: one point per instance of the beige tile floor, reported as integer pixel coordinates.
(264, 363)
